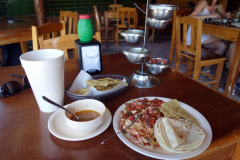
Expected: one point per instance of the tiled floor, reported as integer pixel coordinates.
(161, 48)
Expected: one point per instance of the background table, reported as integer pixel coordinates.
(24, 131)
(16, 32)
(230, 33)
(112, 15)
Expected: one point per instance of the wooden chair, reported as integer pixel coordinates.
(100, 28)
(125, 14)
(64, 43)
(1, 57)
(71, 19)
(47, 31)
(181, 13)
(194, 51)
(114, 6)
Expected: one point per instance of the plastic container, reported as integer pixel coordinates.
(85, 28)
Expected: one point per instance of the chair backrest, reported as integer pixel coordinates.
(182, 23)
(180, 13)
(114, 6)
(47, 31)
(126, 14)
(65, 42)
(71, 19)
(96, 19)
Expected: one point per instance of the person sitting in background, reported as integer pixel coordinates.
(206, 9)
(229, 55)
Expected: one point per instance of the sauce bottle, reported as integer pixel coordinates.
(85, 28)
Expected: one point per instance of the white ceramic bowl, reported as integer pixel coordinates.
(85, 104)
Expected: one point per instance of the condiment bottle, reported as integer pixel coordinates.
(85, 29)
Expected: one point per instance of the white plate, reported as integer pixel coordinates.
(58, 127)
(160, 153)
(235, 24)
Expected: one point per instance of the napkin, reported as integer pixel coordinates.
(79, 82)
(91, 58)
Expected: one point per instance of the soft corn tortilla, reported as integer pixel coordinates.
(194, 140)
(175, 110)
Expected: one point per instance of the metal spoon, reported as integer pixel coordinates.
(145, 45)
(140, 115)
(128, 27)
(50, 101)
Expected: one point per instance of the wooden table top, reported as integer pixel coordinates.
(21, 25)
(25, 134)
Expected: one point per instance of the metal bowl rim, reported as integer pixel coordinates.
(145, 54)
(132, 34)
(156, 20)
(163, 7)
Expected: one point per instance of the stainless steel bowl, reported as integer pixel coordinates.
(157, 68)
(135, 56)
(224, 21)
(235, 20)
(133, 37)
(157, 24)
(162, 11)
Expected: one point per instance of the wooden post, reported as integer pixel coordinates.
(40, 12)
(115, 1)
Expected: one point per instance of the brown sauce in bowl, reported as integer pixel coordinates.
(85, 115)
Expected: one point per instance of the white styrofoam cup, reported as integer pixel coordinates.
(45, 71)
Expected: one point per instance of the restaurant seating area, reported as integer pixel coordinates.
(151, 98)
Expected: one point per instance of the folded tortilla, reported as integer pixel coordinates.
(178, 135)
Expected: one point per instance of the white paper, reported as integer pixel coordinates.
(91, 58)
(79, 82)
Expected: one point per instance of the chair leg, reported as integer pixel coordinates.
(190, 66)
(177, 59)
(197, 70)
(171, 51)
(218, 75)
(153, 33)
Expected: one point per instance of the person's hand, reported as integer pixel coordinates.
(228, 15)
(215, 16)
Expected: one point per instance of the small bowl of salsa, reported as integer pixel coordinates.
(157, 65)
(89, 111)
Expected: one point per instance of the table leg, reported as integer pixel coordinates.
(23, 47)
(236, 153)
(234, 69)
(106, 29)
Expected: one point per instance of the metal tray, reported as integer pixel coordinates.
(103, 96)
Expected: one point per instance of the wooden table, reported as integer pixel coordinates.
(25, 134)
(16, 32)
(230, 33)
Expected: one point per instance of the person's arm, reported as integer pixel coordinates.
(200, 7)
(222, 12)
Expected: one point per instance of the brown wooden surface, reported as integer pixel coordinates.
(24, 131)
(194, 50)
(16, 32)
(230, 33)
(71, 19)
(47, 31)
(65, 42)
(111, 15)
